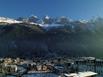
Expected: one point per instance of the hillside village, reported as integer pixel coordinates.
(60, 66)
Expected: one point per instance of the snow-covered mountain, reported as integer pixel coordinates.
(61, 37)
(48, 22)
(8, 20)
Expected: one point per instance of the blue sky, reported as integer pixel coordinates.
(74, 9)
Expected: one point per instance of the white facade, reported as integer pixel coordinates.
(81, 74)
(90, 65)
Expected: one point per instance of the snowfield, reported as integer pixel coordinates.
(8, 20)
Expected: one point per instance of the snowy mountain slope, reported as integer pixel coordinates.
(9, 20)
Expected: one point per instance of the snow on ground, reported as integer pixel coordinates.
(49, 25)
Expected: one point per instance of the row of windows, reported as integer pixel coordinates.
(89, 62)
(95, 69)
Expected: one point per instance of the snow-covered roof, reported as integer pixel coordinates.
(81, 74)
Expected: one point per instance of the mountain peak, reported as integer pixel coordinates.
(47, 17)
